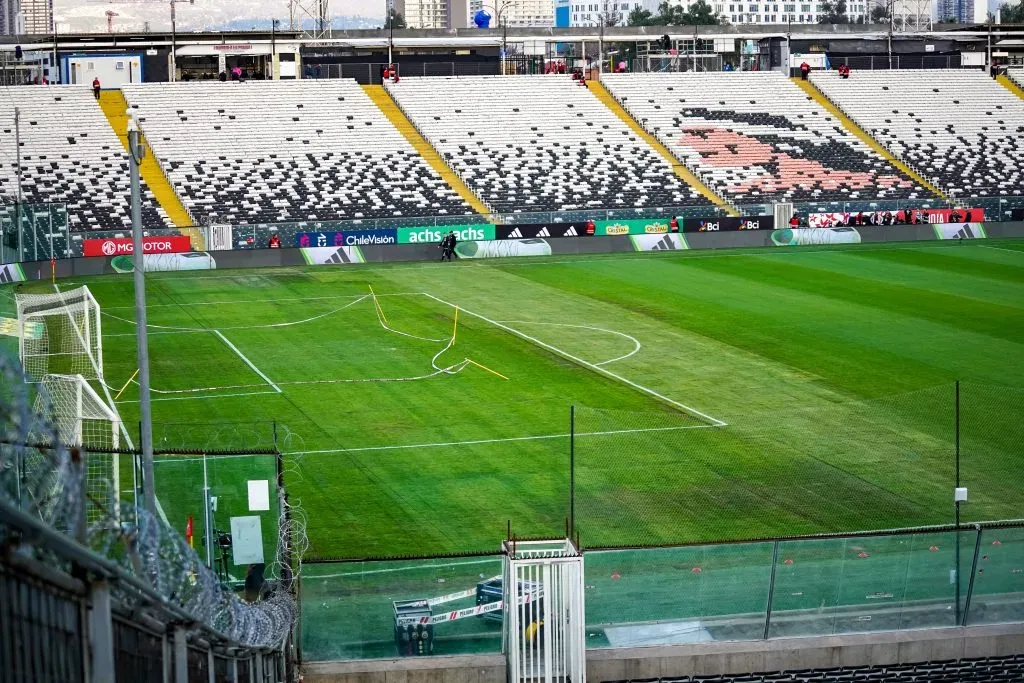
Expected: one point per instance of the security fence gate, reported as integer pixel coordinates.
(543, 637)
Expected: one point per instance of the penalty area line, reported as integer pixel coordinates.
(576, 359)
(196, 397)
(247, 361)
(471, 442)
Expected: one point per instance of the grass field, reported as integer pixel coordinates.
(720, 395)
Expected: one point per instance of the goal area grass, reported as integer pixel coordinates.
(422, 408)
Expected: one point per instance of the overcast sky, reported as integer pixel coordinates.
(91, 14)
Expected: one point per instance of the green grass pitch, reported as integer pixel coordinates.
(731, 394)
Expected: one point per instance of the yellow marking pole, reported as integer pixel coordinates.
(455, 328)
(126, 385)
(377, 304)
(484, 367)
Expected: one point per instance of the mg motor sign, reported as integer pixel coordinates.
(119, 246)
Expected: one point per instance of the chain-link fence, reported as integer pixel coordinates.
(648, 479)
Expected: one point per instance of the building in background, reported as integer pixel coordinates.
(962, 11)
(589, 12)
(37, 16)
(439, 14)
(9, 17)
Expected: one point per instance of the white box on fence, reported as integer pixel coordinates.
(259, 495)
(960, 494)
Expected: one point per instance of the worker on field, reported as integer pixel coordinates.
(275, 241)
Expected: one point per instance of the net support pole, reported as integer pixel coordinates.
(572, 470)
(771, 591)
(956, 503)
(135, 152)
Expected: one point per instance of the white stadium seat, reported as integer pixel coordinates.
(957, 126)
(69, 155)
(757, 137)
(278, 151)
(539, 143)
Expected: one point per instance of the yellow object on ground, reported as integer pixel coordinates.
(853, 128)
(115, 107)
(680, 169)
(394, 114)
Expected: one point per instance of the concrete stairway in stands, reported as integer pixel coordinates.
(680, 169)
(394, 114)
(115, 108)
(1007, 83)
(848, 123)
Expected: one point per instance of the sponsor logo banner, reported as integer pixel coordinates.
(349, 238)
(340, 255)
(728, 223)
(793, 237)
(672, 241)
(117, 246)
(959, 231)
(433, 235)
(633, 226)
(841, 219)
(11, 272)
(540, 230)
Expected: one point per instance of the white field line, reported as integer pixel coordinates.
(988, 246)
(247, 361)
(240, 327)
(187, 398)
(262, 301)
(596, 368)
(636, 342)
(403, 569)
(539, 437)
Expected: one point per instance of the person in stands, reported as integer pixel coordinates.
(794, 221)
(223, 76)
(956, 217)
(591, 227)
(805, 70)
(96, 87)
(844, 71)
(275, 241)
(673, 225)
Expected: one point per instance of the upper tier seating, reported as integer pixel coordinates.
(273, 151)
(1016, 74)
(957, 126)
(539, 143)
(69, 155)
(980, 670)
(756, 137)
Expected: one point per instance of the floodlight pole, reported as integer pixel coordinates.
(17, 204)
(135, 154)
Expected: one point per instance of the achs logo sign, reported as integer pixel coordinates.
(120, 246)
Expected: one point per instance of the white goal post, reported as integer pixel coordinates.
(81, 418)
(60, 333)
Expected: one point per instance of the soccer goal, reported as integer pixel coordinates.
(81, 418)
(60, 334)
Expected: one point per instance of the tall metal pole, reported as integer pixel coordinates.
(53, 67)
(600, 39)
(17, 161)
(956, 503)
(135, 153)
(174, 44)
(572, 470)
(391, 32)
(273, 49)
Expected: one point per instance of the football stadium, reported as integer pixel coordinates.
(514, 354)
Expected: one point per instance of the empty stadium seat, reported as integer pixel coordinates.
(69, 155)
(539, 143)
(273, 151)
(756, 137)
(1016, 74)
(956, 126)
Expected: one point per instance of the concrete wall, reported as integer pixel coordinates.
(700, 659)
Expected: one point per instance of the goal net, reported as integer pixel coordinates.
(60, 333)
(81, 418)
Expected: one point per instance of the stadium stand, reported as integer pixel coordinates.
(274, 151)
(1016, 74)
(539, 143)
(957, 126)
(756, 137)
(70, 156)
(995, 669)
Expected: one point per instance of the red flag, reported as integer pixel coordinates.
(188, 532)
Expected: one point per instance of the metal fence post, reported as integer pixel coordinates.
(210, 663)
(233, 670)
(257, 674)
(101, 631)
(180, 655)
(974, 572)
(771, 591)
